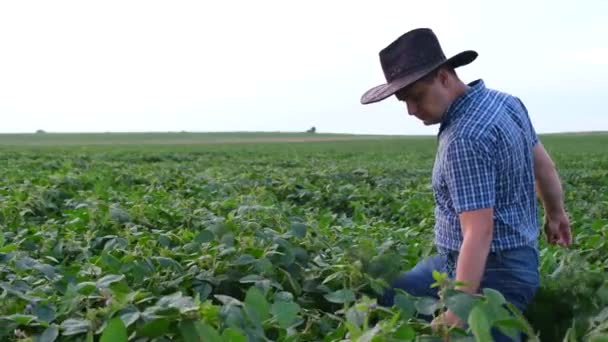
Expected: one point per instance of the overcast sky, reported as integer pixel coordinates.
(70, 66)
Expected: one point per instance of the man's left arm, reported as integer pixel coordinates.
(471, 181)
(471, 178)
(477, 228)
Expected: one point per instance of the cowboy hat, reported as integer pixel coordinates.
(408, 59)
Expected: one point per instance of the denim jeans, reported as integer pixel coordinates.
(512, 272)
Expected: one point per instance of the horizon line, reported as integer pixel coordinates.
(258, 132)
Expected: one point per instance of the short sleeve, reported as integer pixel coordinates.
(528, 123)
(470, 175)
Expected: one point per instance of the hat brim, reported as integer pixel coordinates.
(383, 91)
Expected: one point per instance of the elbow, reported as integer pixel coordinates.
(486, 234)
(543, 164)
(544, 171)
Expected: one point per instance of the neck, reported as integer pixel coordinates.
(459, 89)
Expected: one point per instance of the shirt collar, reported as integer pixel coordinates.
(453, 111)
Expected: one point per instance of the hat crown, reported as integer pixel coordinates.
(408, 59)
(413, 51)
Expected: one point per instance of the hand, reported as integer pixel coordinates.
(557, 228)
(447, 319)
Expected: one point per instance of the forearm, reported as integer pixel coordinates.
(548, 184)
(472, 259)
(550, 192)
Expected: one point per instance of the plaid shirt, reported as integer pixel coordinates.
(485, 159)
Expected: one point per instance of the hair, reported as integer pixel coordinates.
(428, 78)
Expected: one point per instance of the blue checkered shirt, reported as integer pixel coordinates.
(485, 159)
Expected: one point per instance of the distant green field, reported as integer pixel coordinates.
(577, 143)
(170, 138)
(258, 236)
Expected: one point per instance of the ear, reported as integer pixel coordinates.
(444, 77)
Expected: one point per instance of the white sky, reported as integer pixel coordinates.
(69, 66)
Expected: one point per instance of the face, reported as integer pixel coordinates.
(427, 99)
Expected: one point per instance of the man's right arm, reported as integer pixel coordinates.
(549, 189)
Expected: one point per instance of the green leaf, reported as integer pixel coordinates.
(9, 248)
(355, 316)
(207, 332)
(44, 313)
(233, 316)
(295, 286)
(285, 312)
(405, 305)
(108, 280)
(115, 331)
(510, 326)
(298, 229)
(341, 296)
(337, 334)
(168, 263)
(46, 269)
(427, 305)
(227, 239)
(333, 276)
(439, 276)
(73, 326)
(479, 324)
(354, 331)
(86, 288)
(189, 332)
(288, 256)
(461, 283)
(204, 290)
(521, 318)
(154, 328)
(511, 323)
(119, 215)
(204, 237)
(228, 300)
(369, 334)
(405, 333)
(21, 319)
(17, 292)
(233, 335)
(244, 259)
(251, 278)
(494, 312)
(256, 302)
(48, 335)
(494, 297)
(461, 304)
(130, 317)
(283, 296)
(570, 335)
(111, 262)
(182, 303)
(599, 338)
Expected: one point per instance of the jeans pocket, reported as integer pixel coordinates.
(515, 274)
(516, 293)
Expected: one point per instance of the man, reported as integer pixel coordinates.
(488, 165)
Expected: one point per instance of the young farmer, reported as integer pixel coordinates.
(488, 165)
